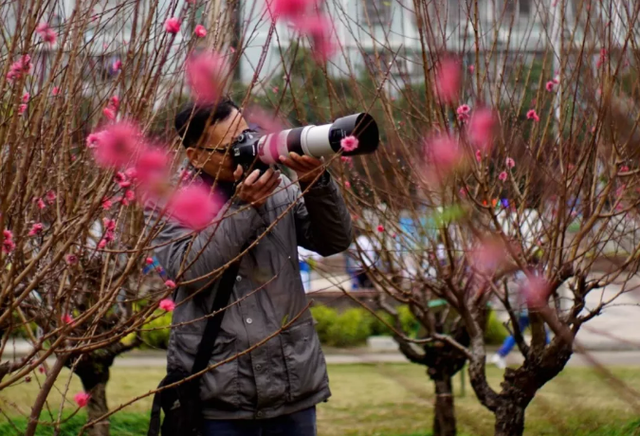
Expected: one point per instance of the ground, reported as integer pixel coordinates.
(393, 399)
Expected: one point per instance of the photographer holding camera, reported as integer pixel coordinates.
(273, 389)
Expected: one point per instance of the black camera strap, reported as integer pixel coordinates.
(224, 289)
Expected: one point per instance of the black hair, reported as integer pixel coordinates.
(193, 119)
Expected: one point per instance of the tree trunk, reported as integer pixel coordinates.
(94, 382)
(444, 420)
(509, 419)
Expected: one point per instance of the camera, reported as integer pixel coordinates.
(253, 150)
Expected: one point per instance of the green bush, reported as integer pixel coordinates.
(347, 329)
(496, 332)
(155, 333)
(325, 317)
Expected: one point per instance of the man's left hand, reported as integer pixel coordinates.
(306, 167)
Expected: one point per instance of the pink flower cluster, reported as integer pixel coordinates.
(167, 305)
(19, 68)
(463, 112)
(448, 80)
(7, 243)
(172, 25)
(36, 229)
(200, 31)
(112, 108)
(194, 206)
(82, 399)
(47, 34)
(533, 115)
(109, 232)
(206, 75)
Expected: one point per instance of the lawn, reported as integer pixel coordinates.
(385, 400)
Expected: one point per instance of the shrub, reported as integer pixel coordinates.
(347, 329)
(496, 332)
(325, 317)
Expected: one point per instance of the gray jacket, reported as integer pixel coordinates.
(287, 373)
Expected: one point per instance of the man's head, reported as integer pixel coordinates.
(207, 132)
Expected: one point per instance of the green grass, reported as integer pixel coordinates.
(380, 400)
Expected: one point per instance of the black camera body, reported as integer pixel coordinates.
(254, 150)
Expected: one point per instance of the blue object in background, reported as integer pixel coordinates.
(305, 275)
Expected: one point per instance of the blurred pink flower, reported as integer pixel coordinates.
(149, 260)
(442, 154)
(602, 58)
(318, 29)
(106, 204)
(200, 31)
(291, 9)
(350, 143)
(51, 196)
(536, 292)
(167, 305)
(194, 206)
(109, 224)
(47, 34)
(71, 259)
(170, 284)
(117, 145)
(510, 163)
(7, 244)
(129, 195)
(102, 243)
(550, 86)
(448, 80)
(122, 180)
(275, 89)
(117, 65)
(67, 319)
(36, 229)
(25, 97)
(40, 203)
(109, 113)
(82, 399)
(152, 166)
(488, 257)
(22, 108)
(172, 25)
(533, 115)
(463, 109)
(624, 169)
(20, 67)
(481, 127)
(472, 68)
(380, 228)
(503, 176)
(347, 184)
(55, 90)
(115, 102)
(478, 155)
(347, 159)
(206, 75)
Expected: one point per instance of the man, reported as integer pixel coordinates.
(273, 389)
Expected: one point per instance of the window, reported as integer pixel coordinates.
(378, 12)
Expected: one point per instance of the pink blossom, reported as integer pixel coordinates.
(291, 9)
(106, 204)
(22, 108)
(102, 243)
(167, 305)
(109, 224)
(200, 31)
(27, 379)
(20, 67)
(318, 29)
(115, 102)
(109, 113)
(50, 196)
(448, 80)
(129, 195)
(503, 176)
(71, 259)
(347, 160)
(510, 163)
(443, 155)
(194, 206)
(624, 169)
(149, 260)
(25, 97)
(478, 156)
(7, 244)
(488, 257)
(462, 192)
(42, 369)
(350, 143)
(67, 319)
(206, 74)
(347, 184)
(550, 86)
(536, 292)
(172, 25)
(603, 57)
(122, 180)
(481, 127)
(40, 203)
(117, 145)
(463, 109)
(380, 228)
(117, 65)
(170, 284)
(275, 89)
(82, 399)
(36, 229)
(533, 115)
(151, 166)
(55, 91)
(472, 68)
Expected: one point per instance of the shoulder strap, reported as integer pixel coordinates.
(221, 299)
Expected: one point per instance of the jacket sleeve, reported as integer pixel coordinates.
(198, 253)
(323, 223)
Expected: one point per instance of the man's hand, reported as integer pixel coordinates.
(306, 167)
(255, 189)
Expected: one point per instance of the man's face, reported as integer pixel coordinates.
(212, 154)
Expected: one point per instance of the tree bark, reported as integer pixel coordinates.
(94, 379)
(509, 419)
(444, 420)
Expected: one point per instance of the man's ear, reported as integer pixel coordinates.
(193, 156)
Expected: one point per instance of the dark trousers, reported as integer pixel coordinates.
(302, 423)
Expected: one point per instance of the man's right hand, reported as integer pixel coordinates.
(255, 189)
